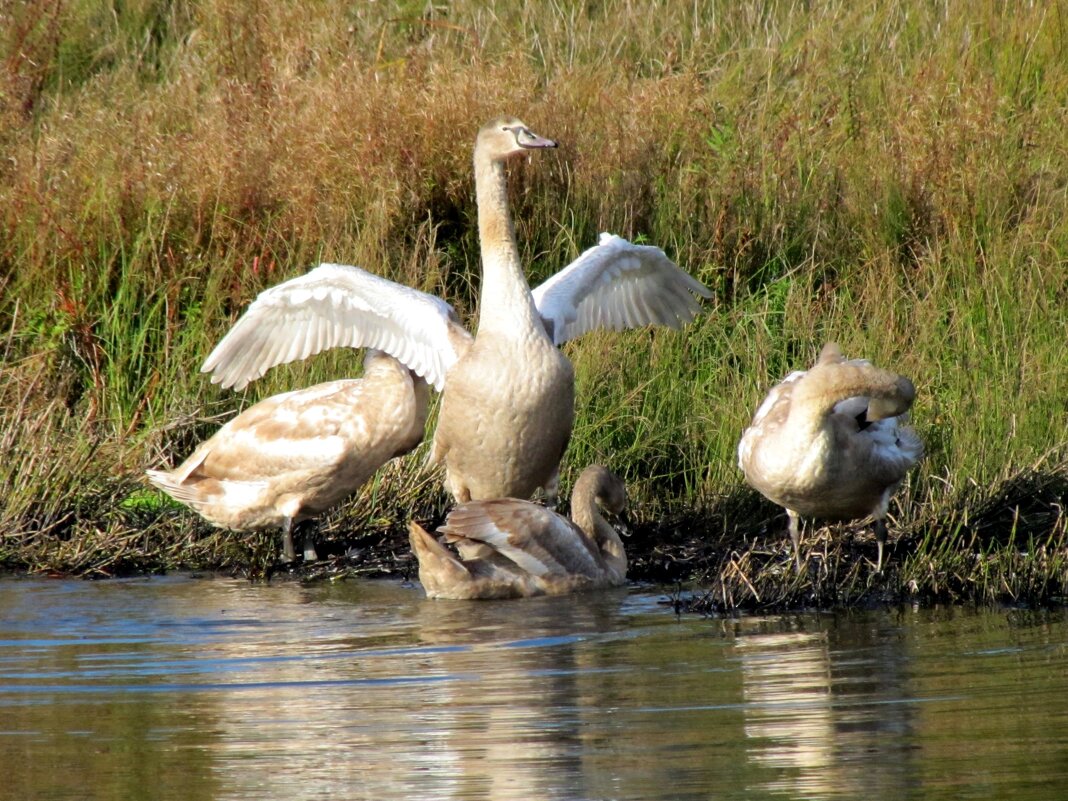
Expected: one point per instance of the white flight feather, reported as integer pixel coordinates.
(614, 285)
(337, 305)
(617, 284)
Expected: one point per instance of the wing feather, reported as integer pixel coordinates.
(617, 285)
(337, 305)
(535, 539)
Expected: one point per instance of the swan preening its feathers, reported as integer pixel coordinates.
(508, 401)
(508, 548)
(831, 443)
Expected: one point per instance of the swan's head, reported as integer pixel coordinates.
(506, 137)
(606, 486)
(894, 405)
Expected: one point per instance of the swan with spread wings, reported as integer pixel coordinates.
(508, 403)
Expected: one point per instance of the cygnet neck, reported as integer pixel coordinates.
(506, 304)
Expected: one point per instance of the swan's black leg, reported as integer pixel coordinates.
(880, 542)
(288, 552)
(795, 536)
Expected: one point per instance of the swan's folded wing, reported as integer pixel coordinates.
(333, 306)
(617, 285)
(537, 540)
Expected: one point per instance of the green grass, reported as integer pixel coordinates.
(887, 175)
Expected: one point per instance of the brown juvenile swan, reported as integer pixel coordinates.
(831, 443)
(515, 549)
(294, 455)
(508, 403)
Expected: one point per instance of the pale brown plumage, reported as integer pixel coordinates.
(508, 402)
(511, 548)
(295, 455)
(831, 443)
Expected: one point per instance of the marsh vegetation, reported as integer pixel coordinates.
(891, 176)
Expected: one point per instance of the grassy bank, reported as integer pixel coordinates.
(888, 175)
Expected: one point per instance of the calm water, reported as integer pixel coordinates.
(191, 689)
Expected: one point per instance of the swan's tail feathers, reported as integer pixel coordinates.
(438, 568)
(171, 484)
(207, 495)
(197, 494)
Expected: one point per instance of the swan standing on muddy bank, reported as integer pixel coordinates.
(831, 443)
(508, 404)
(295, 455)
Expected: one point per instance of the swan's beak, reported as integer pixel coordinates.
(623, 523)
(882, 408)
(528, 140)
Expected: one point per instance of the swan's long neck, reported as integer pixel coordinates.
(506, 303)
(611, 547)
(825, 385)
(587, 516)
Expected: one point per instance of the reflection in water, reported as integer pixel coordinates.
(833, 722)
(512, 732)
(787, 685)
(72, 724)
(213, 689)
(460, 703)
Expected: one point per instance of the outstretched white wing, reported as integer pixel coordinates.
(333, 306)
(617, 285)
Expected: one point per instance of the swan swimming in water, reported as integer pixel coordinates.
(831, 443)
(510, 548)
(508, 403)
